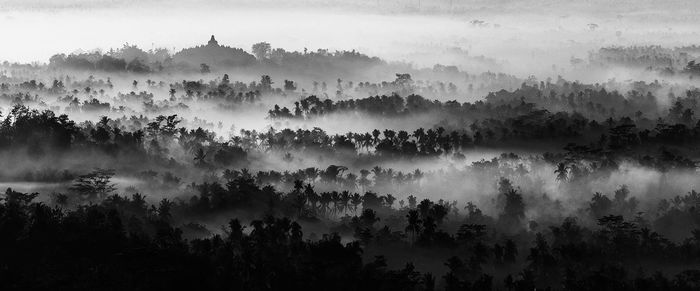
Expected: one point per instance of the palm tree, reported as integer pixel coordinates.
(311, 196)
(364, 182)
(345, 200)
(199, 157)
(335, 197)
(311, 174)
(325, 201)
(356, 200)
(561, 171)
(414, 224)
(375, 135)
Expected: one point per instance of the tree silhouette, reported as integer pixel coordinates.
(94, 185)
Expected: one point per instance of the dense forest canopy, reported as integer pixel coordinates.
(428, 145)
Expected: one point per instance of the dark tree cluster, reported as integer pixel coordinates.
(122, 242)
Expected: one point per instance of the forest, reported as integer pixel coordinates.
(533, 153)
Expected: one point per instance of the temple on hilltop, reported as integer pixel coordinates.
(214, 55)
(212, 41)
